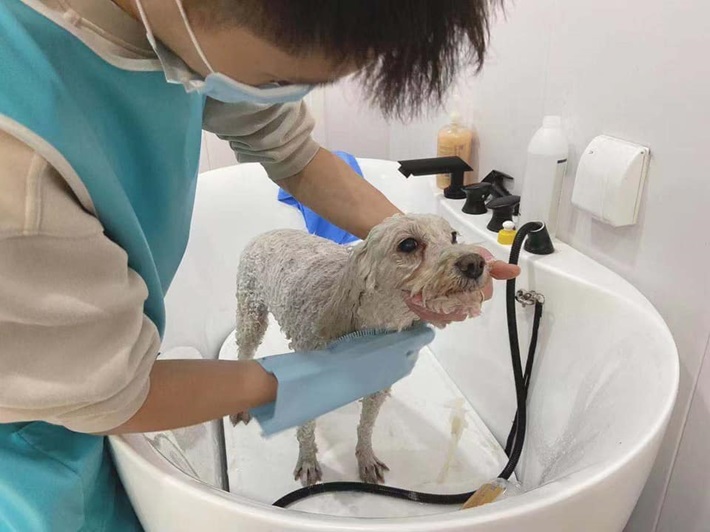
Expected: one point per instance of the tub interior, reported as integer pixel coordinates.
(413, 436)
(604, 379)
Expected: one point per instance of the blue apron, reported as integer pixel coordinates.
(134, 141)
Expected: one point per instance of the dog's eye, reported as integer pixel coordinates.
(408, 245)
(454, 237)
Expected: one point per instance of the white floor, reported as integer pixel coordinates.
(412, 436)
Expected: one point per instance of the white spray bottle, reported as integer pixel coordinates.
(544, 173)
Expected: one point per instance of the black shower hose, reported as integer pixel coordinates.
(516, 437)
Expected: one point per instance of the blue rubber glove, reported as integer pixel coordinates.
(313, 383)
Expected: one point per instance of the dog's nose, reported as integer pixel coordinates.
(471, 265)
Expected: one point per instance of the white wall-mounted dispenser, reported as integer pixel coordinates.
(610, 179)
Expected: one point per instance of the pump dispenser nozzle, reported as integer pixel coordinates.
(497, 180)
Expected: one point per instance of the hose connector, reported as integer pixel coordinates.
(539, 241)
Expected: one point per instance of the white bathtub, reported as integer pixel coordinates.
(602, 391)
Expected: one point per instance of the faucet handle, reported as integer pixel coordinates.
(476, 195)
(503, 210)
(497, 180)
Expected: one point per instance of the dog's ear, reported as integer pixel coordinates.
(339, 314)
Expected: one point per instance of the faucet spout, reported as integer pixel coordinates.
(455, 166)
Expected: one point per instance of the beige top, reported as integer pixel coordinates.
(75, 346)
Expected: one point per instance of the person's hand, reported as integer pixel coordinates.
(311, 383)
(499, 270)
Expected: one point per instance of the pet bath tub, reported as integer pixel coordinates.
(602, 391)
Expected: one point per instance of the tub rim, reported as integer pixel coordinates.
(551, 493)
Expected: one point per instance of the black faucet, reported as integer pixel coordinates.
(497, 180)
(503, 210)
(455, 166)
(476, 195)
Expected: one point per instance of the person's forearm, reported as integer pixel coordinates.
(188, 392)
(332, 189)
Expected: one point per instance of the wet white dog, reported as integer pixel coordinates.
(318, 291)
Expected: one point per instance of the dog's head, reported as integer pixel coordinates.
(420, 255)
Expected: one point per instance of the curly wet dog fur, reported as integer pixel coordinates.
(319, 291)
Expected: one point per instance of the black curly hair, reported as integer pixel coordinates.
(409, 50)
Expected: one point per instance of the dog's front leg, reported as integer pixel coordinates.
(252, 322)
(307, 468)
(371, 469)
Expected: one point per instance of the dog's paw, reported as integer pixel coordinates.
(308, 472)
(371, 469)
(244, 417)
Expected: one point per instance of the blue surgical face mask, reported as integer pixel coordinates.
(216, 85)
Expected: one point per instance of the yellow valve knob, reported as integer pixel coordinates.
(507, 234)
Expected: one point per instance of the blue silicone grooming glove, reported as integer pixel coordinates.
(313, 383)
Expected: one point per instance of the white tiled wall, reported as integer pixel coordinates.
(687, 505)
(637, 70)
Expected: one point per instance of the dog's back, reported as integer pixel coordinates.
(290, 274)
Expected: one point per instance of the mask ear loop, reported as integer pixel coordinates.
(193, 38)
(144, 20)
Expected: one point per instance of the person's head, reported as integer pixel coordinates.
(404, 52)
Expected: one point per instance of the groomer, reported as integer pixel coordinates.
(101, 108)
